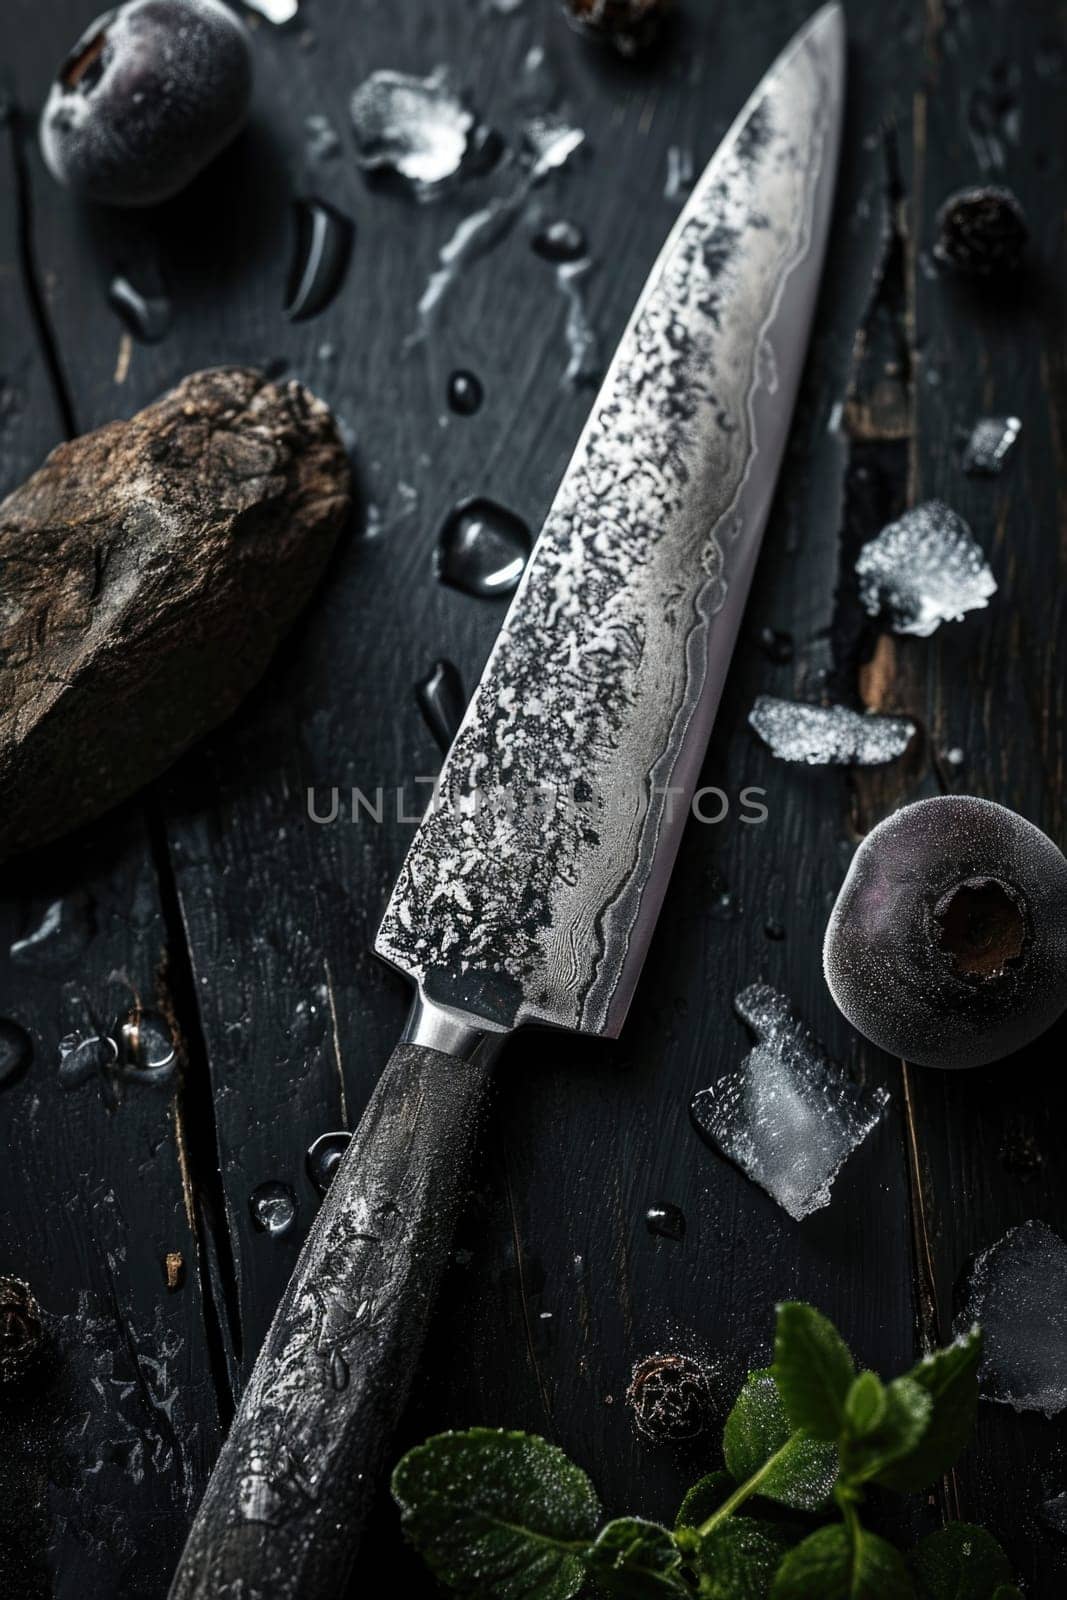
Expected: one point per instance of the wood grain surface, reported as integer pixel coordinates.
(216, 899)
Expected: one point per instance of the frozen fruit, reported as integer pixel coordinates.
(981, 232)
(948, 942)
(629, 24)
(151, 92)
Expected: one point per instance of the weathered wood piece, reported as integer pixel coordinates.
(149, 569)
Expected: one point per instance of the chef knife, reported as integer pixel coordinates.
(533, 882)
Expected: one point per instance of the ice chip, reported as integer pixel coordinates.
(417, 128)
(825, 736)
(923, 570)
(1017, 1291)
(790, 1116)
(989, 445)
(549, 143)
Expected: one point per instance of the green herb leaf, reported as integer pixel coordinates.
(759, 1444)
(898, 1436)
(950, 1378)
(738, 1560)
(706, 1496)
(865, 1404)
(835, 1563)
(1007, 1591)
(960, 1562)
(507, 1515)
(813, 1370)
(636, 1559)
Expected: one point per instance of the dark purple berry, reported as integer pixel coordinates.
(670, 1397)
(22, 1334)
(981, 232)
(630, 25)
(947, 945)
(151, 92)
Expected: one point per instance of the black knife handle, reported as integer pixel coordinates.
(285, 1505)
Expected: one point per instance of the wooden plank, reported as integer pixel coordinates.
(991, 109)
(108, 1439)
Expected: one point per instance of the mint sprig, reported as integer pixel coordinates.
(507, 1516)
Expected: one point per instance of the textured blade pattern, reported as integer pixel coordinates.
(534, 880)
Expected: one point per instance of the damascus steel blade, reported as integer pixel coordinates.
(535, 878)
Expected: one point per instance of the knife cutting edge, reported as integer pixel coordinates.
(534, 881)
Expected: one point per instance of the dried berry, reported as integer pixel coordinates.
(947, 945)
(151, 93)
(631, 25)
(670, 1396)
(21, 1329)
(981, 232)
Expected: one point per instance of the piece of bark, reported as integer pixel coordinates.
(147, 571)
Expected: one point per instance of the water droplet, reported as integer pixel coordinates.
(583, 348)
(146, 315)
(559, 241)
(323, 246)
(442, 701)
(321, 142)
(62, 935)
(482, 549)
(273, 1207)
(726, 907)
(338, 1370)
(16, 1051)
(679, 173)
(777, 645)
(989, 445)
(276, 11)
(465, 393)
(324, 1157)
(666, 1220)
(145, 1046)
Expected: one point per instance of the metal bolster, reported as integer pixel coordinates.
(453, 1033)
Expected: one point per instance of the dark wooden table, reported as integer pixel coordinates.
(216, 899)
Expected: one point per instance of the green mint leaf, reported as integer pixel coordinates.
(507, 1515)
(706, 1496)
(950, 1378)
(960, 1562)
(738, 1559)
(636, 1559)
(813, 1370)
(835, 1563)
(897, 1437)
(760, 1445)
(865, 1404)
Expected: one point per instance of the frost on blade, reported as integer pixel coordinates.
(823, 736)
(417, 128)
(790, 1117)
(1017, 1291)
(989, 445)
(923, 570)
